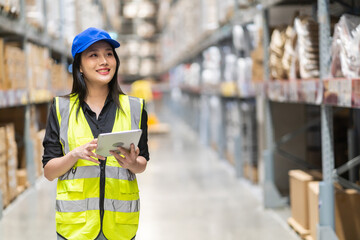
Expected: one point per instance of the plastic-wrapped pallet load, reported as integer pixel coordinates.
(193, 78)
(88, 14)
(226, 10)
(145, 29)
(71, 23)
(147, 49)
(147, 67)
(146, 10)
(211, 75)
(289, 60)
(34, 13)
(277, 44)
(228, 86)
(133, 65)
(130, 10)
(244, 76)
(53, 18)
(210, 15)
(307, 30)
(346, 47)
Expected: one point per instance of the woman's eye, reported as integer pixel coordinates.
(110, 54)
(93, 55)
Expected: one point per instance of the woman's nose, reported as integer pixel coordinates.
(102, 60)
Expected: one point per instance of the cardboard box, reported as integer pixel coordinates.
(11, 161)
(347, 212)
(313, 212)
(21, 177)
(2, 65)
(3, 180)
(299, 195)
(2, 140)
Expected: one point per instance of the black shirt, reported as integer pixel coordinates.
(103, 124)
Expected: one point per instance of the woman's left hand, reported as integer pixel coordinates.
(127, 158)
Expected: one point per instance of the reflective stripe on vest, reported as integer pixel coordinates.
(78, 190)
(93, 171)
(93, 204)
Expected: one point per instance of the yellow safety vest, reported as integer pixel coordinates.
(92, 198)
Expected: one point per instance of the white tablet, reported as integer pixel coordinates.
(110, 141)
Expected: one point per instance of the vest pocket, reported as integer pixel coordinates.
(127, 217)
(73, 185)
(128, 187)
(70, 217)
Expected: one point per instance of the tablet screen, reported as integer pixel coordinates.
(110, 141)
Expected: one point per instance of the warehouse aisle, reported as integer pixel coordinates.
(186, 193)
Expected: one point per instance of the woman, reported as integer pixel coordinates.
(97, 197)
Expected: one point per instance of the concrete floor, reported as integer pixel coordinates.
(187, 193)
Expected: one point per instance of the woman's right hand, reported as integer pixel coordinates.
(86, 152)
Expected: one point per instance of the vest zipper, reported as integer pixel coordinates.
(102, 191)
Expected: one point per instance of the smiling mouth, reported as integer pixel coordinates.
(103, 71)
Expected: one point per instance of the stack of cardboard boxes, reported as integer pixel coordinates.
(8, 164)
(304, 194)
(12, 62)
(38, 137)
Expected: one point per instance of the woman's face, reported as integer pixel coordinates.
(98, 63)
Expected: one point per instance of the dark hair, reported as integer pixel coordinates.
(79, 85)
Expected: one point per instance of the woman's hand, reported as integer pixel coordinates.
(127, 158)
(86, 152)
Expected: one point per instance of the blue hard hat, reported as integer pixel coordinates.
(88, 37)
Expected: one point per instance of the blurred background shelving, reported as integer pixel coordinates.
(271, 85)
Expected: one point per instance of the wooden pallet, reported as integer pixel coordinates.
(300, 230)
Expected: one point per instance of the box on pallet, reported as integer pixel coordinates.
(299, 180)
(347, 212)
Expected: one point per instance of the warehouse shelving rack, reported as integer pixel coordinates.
(10, 26)
(272, 196)
(17, 28)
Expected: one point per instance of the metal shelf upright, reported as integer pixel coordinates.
(326, 225)
(272, 196)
